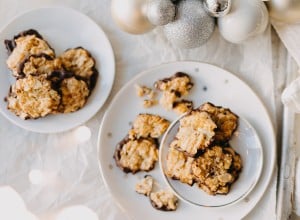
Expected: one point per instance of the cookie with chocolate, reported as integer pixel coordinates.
(145, 185)
(225, 119)
(81, 63)
(164, 200)
(41, 64)
(22, 46)
(216, 169)
(148, 125)
(133, 155)
(179, 166)
(74, 94)
(195, 133)
(33, 97)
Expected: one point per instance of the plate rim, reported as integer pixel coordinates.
(112, 66)
(188, 62)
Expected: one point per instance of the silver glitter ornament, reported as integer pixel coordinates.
(192, 26)
(217, 8)
(161, 12)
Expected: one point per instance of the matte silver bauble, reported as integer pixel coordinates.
(131, 15)
(161, 12)
(287, 11)
(192, 26)
(217, 8)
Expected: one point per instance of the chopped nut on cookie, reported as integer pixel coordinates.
(214, 170)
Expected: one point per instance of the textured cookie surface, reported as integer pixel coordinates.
(145, 185)
(179, 166)
(74, 94)
(39, 65)
(136, 155)
(33, 97)
(182, 106)
(225, 119)
(214, 170)
(164, 200)
(195, 133)
(179, 82)
(26, 46)
(79, 61)
(148, 125)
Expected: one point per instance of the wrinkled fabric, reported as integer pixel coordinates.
(74, 176)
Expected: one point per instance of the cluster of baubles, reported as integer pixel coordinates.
(190, 23)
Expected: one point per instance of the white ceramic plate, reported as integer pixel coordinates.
(245, 142)
(211, 84)
(63, 28)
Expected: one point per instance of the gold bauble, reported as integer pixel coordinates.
(131, 15)
(287, 11)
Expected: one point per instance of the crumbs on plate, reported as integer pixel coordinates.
(199, 153)
(45, 83)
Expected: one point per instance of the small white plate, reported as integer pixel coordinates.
(245, 142)
(63, 28)
(211, 84)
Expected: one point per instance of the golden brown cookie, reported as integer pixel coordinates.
(179, 166)
(80, 62)
(145, 185)
(33, 97)
(133, 155)
(164, 200)
(215, 171)
(74, 93)
(196, 132)
(225, 119)
(148, 125)
(27, 43)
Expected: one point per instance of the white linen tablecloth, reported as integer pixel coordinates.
(72, 169)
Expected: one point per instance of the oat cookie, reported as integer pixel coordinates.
(225, 119)
(179, 166)
(182, 106)
(41, 64)
(145, 185)
(173, 88)
(148, 125)
(74, 94)
(213, 170)
(196, 132)
(164, 200)
(180, 83)
(81, 63)
(136, 155)
(33, 97)
(23, 46)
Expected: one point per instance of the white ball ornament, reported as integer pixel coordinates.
(246, 19)
(287, 11)
(161, 12)
(192, 26)
(131, 15)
